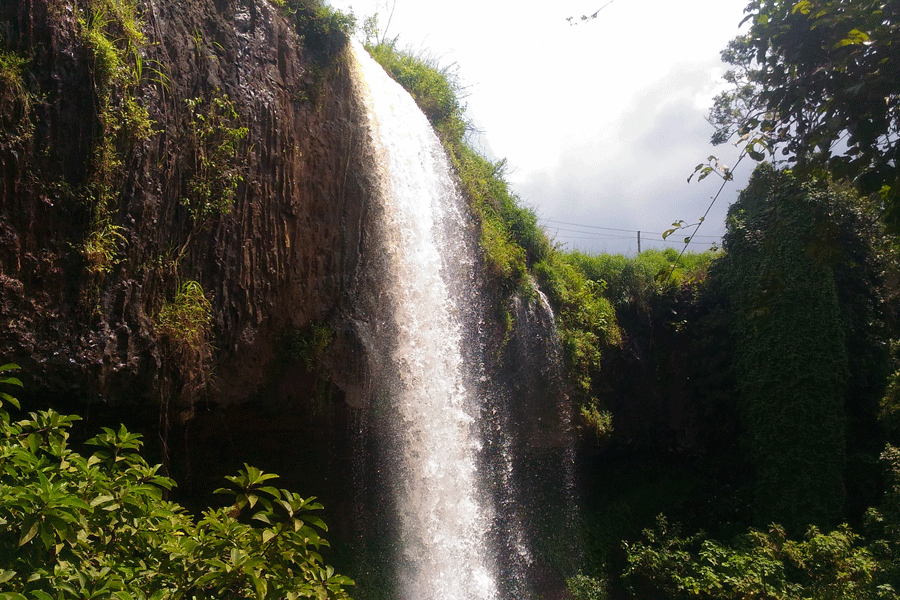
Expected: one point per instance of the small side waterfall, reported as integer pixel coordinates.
(444, 518)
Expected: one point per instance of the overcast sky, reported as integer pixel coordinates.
(601, 123)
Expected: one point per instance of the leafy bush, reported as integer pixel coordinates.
(600, 421)
(15, 100)
(810, 357)
(324, 29)
(637, 279)
(185, 325)
(101, 246)
(187, 320)
(99, 527)
(582, 587)
(757, 564)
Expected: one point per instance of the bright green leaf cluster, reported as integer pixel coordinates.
(638, 279)
(15, 100)
(187, 320)
(99, 527)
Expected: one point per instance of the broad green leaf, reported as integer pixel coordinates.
(854, 36)
(270, 490)
(262, 516)
(316, 521)
(803, 7)
(28, 531)
(261, 586)
(10, 399)
(101, 499)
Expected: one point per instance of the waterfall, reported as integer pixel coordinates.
(444, 518)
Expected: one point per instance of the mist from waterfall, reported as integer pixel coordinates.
(444, 518)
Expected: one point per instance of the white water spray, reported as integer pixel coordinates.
(444, 520)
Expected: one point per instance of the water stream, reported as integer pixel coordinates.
(444, 518)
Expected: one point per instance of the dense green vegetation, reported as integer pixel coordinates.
(789, 245)
(745, 403)
(99, 526)
(801, 309)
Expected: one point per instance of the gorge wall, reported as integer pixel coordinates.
(285, 254)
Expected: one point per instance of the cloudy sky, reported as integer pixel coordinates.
(602, 122)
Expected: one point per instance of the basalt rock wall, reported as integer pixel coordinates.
(282, 254)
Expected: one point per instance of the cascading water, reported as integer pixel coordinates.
(473, 465)
(444, 519)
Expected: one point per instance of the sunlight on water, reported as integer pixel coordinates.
(444, 520)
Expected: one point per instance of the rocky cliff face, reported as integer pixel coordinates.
(279, 252)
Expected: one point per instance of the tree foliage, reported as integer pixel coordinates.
(792, 258)
(771, 564)
(99, 526)
(756, 564)
(819, 79)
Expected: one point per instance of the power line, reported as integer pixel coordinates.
(644, 241)
(596, 235)
(589, 226)
(635, 231)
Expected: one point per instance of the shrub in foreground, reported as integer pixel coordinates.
(99, 527)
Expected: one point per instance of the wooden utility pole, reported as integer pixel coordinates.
(639, 242)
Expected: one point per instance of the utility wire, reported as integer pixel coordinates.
(596, 235)
(649, 241)
(613, 228)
